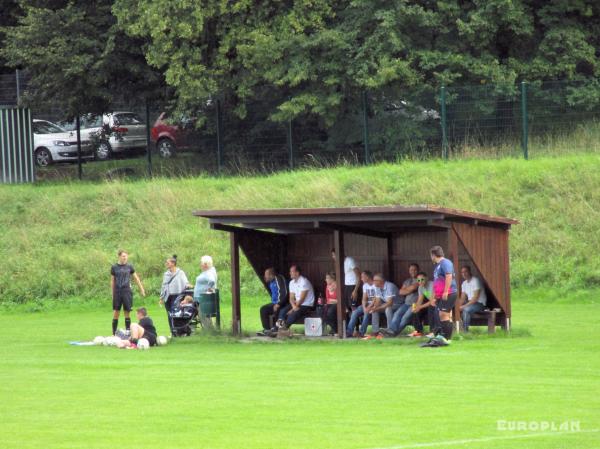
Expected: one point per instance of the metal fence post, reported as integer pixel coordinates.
(444, 122)
(365, 102)
(18, 84)
(219, 137)
(79, 167)
(148, 144)
(290, 144)
(525, 124)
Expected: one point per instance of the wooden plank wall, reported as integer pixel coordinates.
(413, 247)
(488, 248)
(313, 253)
(368, 252)
(264, 250)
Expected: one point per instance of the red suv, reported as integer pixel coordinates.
(170, 138)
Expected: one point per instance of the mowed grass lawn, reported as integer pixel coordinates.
(215, 392)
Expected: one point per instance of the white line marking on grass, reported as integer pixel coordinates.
(485, 439)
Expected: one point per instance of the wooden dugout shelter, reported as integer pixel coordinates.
(380, 239)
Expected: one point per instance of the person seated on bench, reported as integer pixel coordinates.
(403, 316)
(279, 298)
(424, 308)
(330, 306)
(472, 295)
(386, 296)
(368, 297)
(302, 299)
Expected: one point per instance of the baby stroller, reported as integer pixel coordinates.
(184, 317)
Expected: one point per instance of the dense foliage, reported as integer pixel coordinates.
(310, 56)
(77, 56)
(320, 53)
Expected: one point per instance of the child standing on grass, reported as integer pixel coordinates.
(120, 285)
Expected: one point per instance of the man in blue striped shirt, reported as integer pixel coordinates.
(279, 298)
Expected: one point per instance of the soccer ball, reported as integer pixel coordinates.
(162, 340)
(143, 344)
(112, 341)
(99, 340)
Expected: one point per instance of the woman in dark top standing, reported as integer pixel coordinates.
(444, 289)
(120, 285)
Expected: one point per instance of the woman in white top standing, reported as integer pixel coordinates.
(206, 282)
(174, 283)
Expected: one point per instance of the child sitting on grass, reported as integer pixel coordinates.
(144, 328)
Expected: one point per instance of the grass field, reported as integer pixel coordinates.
(59, 240)
(214, 392)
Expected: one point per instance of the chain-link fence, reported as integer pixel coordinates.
(529, 119)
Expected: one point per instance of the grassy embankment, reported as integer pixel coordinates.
(58, 240)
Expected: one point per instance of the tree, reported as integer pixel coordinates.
(77, 57)
(10, 11)
(317, 55)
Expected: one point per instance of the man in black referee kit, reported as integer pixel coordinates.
(120, 284)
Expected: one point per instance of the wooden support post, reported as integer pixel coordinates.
(338, 244)
(507, 293)
(236, 318)
(389, 258)
(453, 256)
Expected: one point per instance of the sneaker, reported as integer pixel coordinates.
(123, 334)
(356, 334)
(263, 333)
(379, 337)
(367, 337)
(415, 334)
(441, 339)
(433, 343)
(430, 335)
(387, 332)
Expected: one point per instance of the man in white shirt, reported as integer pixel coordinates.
(302, 299)
(368, 298)
(386, 297)
(472, 295)
(350, 295)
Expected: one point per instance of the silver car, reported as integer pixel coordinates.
(113, 132)
(51, 143)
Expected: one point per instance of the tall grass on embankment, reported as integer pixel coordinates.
(58, 240)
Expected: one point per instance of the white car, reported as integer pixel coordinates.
(114, 132)
(51, 143)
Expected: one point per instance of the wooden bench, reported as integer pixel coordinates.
(489, 318)
(312, 314)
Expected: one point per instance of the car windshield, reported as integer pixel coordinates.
(46, 128)
(128, 118)
(87, 121)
